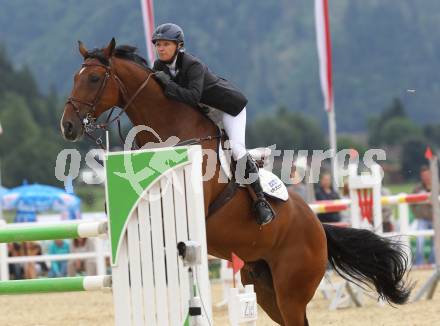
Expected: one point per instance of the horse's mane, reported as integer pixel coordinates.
(126, 52)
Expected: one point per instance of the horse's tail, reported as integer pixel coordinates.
(363, 257)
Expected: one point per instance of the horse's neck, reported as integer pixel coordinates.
(151, 108)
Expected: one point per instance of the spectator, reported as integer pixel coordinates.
(423, 215)
(82, 266)
(28, 270)
(16, 271)
(387, 212)
(36, 250)
(58, 268)
(25, 270)
(325, 191)
(297, 183)
(345, 194)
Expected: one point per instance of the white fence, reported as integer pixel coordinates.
(100, 244)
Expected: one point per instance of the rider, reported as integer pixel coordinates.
(186, 79)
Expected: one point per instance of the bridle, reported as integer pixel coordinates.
(89, 120)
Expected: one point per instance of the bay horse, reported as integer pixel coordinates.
(286, 259)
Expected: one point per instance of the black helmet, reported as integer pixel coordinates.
(169, 32)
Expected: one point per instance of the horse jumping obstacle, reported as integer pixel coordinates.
(18, 233)
(148, 217)
(61, 284)
(366, 203)
(31, 232)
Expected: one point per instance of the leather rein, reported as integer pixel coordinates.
(89, 121)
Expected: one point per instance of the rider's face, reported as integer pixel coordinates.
(165, 49)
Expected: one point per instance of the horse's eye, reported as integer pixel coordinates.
(94, 78)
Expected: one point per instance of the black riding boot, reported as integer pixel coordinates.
(263, 211)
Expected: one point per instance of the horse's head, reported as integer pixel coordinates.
(95, 90)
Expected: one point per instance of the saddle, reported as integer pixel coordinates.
(272, 185)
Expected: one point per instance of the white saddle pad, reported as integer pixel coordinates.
(271, 184)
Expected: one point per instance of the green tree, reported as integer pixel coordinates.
(288, 130)
(371, 42)
(397, 129)
(377, 124)
(25, 84)
(413, 156)
(18, 125)
(347, 142)
(34, 161)
(30, 141)
(432, 133)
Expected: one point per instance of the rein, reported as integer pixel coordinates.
(90, 125)
(89, 121)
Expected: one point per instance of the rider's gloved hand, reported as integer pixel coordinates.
(162, 77)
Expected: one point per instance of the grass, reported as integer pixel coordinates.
(92, 198)
(401, 187)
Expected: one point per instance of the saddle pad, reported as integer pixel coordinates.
(271, 184)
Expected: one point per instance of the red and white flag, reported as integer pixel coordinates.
(148, 19)
(323, 39)
(236, 264)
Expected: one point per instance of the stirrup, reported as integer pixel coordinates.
(264, 213)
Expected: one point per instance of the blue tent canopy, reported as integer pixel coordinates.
(3, 191)
(29, 199)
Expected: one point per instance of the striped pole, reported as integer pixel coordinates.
(330, 206)
(52, 232)
(61, 284)
(339, 205)
(405, 198)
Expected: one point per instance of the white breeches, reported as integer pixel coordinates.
(235, 127)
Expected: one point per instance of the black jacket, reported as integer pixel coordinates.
(195, 83)
(320, 194)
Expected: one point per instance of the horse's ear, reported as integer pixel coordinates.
(82, 49)
(108, 51)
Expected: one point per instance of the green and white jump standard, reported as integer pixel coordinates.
(155, 201)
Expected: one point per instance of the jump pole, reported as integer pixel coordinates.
(52, 232)
(60, 284)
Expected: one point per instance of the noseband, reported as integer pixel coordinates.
(89, 121)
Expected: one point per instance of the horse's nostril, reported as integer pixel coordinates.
(68, 126)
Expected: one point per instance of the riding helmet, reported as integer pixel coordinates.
(169, 32)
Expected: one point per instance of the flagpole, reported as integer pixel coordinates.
(333, 146)
(323, 41)
(147, 8)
